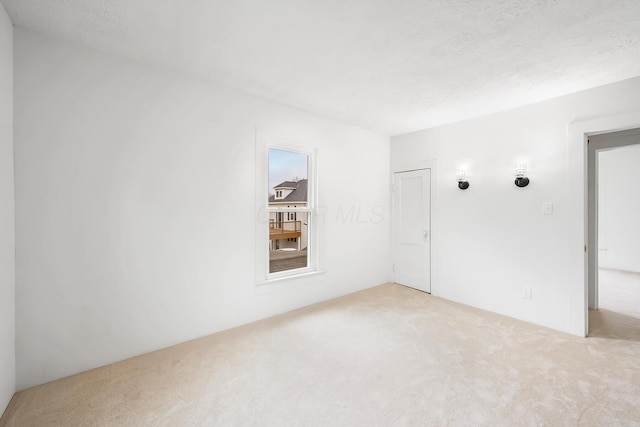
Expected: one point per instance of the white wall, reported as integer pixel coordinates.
(136, 214)
(619, 209)
(7, 209)
(494, 239)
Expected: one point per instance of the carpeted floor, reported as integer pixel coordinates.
(619, 291)
(382, 357)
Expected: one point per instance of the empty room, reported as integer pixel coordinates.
(337, 213)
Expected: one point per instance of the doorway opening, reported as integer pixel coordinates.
(613, 233)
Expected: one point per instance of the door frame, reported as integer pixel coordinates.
(578, 210)
(614, 140)
(409, 167)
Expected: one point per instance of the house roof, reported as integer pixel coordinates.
(297, 195)
(287, 184)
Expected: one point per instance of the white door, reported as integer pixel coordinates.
(412, 229)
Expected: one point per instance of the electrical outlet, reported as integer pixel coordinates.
(526, 293)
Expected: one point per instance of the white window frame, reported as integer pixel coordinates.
(266, 140)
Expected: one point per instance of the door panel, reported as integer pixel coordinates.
(412, 229)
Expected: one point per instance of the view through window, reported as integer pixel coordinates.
(289, 211)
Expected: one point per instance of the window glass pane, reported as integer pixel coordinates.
(288, 231)
(288, 242)
(286, 169)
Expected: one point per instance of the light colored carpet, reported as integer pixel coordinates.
(619, 291)
(382, 357)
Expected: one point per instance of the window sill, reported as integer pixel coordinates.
(289, 277)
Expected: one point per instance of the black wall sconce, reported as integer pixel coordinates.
(521, 176)
(463, 183)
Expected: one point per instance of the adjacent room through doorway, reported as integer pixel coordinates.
(616, 263)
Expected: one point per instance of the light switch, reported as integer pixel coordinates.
(547, 208)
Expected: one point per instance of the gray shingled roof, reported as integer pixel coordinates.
(287, 184)
(297, 195)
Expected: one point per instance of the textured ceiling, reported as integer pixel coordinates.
(393, 66)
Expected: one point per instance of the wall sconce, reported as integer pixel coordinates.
(521, 175)
(463, 183)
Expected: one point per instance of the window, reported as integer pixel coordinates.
(290, 211)
(286, 225)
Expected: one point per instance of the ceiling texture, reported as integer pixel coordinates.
(392, 66)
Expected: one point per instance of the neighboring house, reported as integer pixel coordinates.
(288, 230)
